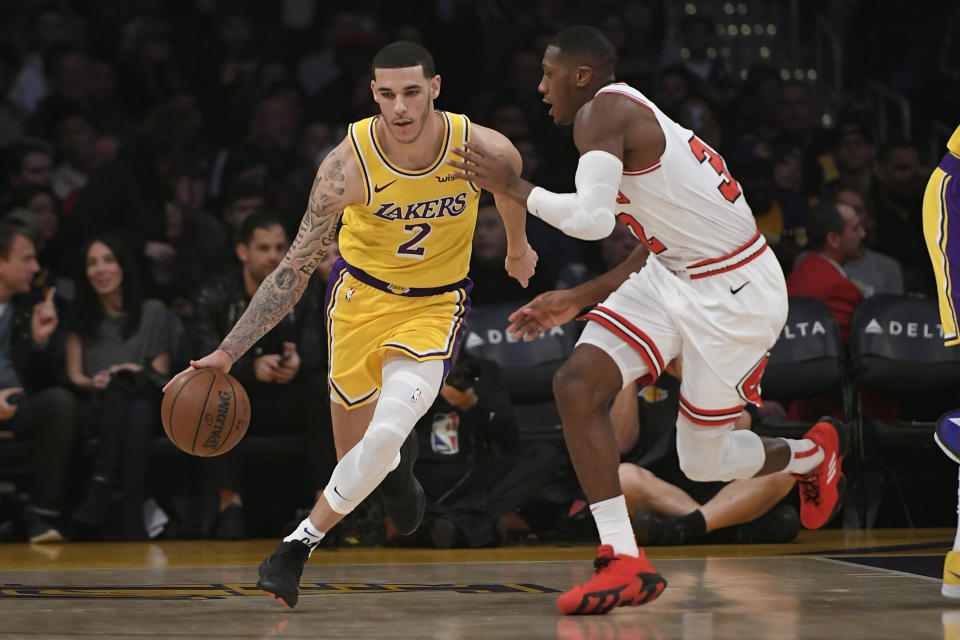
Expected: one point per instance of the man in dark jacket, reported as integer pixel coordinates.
(32, 409)
(284, 373)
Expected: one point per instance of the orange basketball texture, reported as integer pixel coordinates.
(206, 412)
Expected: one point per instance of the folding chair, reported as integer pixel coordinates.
(527, 367)
(897, 352)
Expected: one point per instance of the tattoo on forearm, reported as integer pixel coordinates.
(279, 292)
(269, 305)
(285, 278)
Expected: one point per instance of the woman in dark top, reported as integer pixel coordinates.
(118, 349)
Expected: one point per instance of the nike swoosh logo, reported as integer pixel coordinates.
(377, 188)
(954, 574)
(338, 493)
(737, 290)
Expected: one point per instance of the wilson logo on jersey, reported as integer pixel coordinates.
(447, 206)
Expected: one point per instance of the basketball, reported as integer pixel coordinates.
(205, 412)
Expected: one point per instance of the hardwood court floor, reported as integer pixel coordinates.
(829, 584)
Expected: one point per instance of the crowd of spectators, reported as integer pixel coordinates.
(136, 138)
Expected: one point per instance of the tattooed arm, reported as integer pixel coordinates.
(336, 185)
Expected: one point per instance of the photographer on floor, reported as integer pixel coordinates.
(472, 465)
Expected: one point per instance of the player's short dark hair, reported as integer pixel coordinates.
(824, 217)
(590, 45)
(401, 54)
(259, 220)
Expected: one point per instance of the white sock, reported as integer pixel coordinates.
(805, 455)
(956, 540)
(307, 534)
(613, 525)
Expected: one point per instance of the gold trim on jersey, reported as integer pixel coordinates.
(367, 185)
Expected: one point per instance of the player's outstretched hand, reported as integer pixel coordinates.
(219, 359)
(547, 310)
(521, 267)
(485, 168)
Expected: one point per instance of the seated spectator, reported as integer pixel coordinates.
(38, 205)
(472, 467)
(666, 506)
(239, 201)
(27, 161)
(788, 176)
(75, 140)
(672, 88)
(851, 164)
(284, 373)
(835, 236)
(874, 272)
(31, 405)
(800, 130)
(118, 353)
(752, 161)
(490, 280)
(897, 205)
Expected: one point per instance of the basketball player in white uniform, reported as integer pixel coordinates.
(711, 291)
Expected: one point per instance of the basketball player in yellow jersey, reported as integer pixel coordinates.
(941, 230)
(397, 298)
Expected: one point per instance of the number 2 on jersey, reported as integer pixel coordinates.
(409, 248)
(650, 243)
(729, 188)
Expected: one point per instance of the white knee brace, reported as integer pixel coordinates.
(409, 388)
(718, 454)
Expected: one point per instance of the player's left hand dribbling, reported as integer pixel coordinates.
(219, 359)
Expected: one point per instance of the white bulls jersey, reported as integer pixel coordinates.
(686, 208)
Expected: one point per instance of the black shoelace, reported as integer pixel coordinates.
(810, 489)
(600, 563)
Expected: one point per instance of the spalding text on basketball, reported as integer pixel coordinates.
(224, 398)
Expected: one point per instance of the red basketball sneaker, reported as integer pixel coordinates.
(619, 581)
(821, 489)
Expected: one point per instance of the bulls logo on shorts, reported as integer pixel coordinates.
(749, 385)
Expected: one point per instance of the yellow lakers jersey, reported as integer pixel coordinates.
(415, 228)
(954, 143)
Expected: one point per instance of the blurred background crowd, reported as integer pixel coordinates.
(159, 155)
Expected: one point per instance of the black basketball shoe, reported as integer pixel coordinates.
(401, 493)
(280, 572)
(780, 524)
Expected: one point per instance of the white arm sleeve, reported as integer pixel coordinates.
(588, 213)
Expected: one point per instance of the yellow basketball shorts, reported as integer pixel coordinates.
(368, 319)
